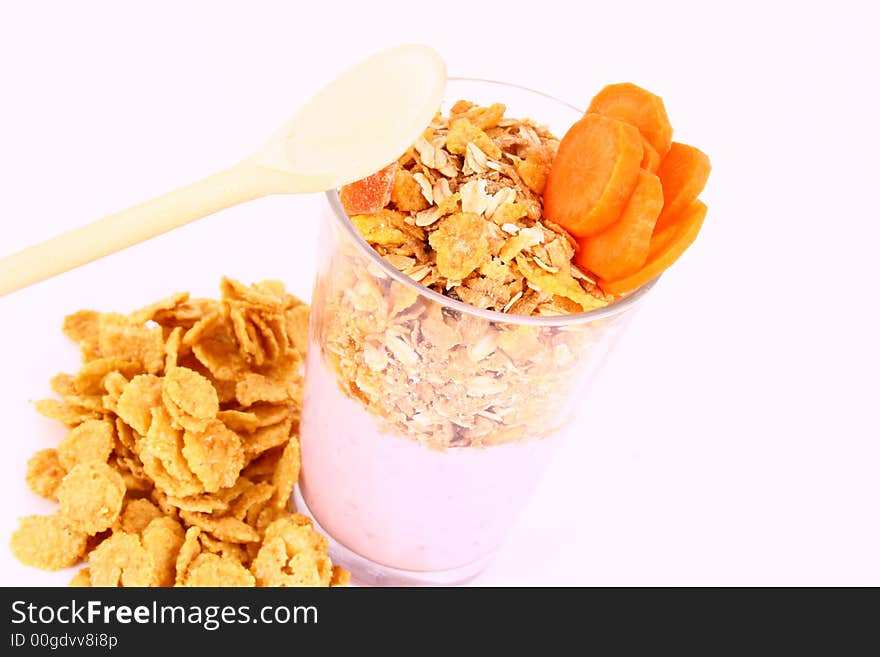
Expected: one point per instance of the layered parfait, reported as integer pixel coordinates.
(494, 266)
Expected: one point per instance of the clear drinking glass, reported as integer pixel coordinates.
(427, 422)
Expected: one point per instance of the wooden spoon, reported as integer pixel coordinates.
(364, 119)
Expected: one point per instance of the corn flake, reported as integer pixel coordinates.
(234, 551)
(201, 503)
(462, 132)
(47, 542)
(255, 387)
(190, 398)
(44, 473)
(461, 243)
(150, 312)
(81, 325)
(378, 228)
(266, 438)
(62, 384)
(82, 579)
(90, 379)
(120, 337)
(164, 442)
(92, 440)
(239, 421)
(65, 413)
(186, 313)
(140, 395)
(218, 352)
(215, 570)
(559, 283)
(162, 539)
(226, 528)
(297, 318)
(121, 560)
(406, 195)
(188, 551)
(215, 455)
(485, 117)
(340, 577)
(137, 514)
(286, 473)
(256, 495)
(535, 168)
(293, 554)
(90, 497)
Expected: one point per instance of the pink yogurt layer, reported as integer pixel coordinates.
(396, 502)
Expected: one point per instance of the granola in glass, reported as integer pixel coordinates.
(464, 216)
(460, 213)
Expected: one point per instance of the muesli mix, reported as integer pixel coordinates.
(463, 216)
(460, 213)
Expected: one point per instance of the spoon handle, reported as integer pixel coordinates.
(243, 182)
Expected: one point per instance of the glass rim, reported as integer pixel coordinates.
(615, 308)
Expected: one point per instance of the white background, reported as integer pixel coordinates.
(733, 437)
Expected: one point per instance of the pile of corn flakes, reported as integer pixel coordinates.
(182, 449)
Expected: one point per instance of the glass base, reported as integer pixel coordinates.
(365, 572)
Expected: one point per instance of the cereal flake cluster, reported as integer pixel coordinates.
(182, 448)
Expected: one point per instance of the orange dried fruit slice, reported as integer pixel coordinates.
(369, 195)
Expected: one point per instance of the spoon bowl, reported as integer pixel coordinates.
(360, 122)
